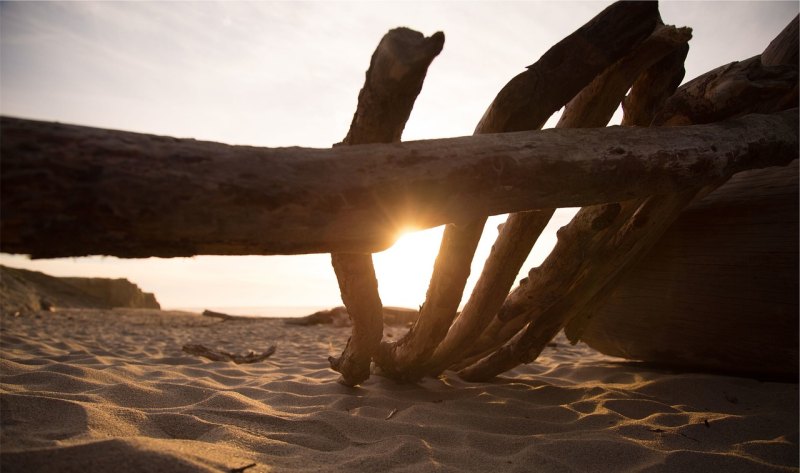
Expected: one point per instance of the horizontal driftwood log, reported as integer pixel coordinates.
(67, 190)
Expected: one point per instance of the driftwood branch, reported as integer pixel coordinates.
(133, 195)
(592, 107)
(524, 103)
(596, 248)
(394, 79)
(219, 355)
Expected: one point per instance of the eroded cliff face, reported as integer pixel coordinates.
(22, 290)
(115, 292)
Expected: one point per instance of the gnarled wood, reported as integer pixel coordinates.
(623, 232)
(596, 103)
(394, 79)
(651, 89)
(732, 90)
(133, 195)
(592, 107)
(719, 289)
(528, 100)
(524, 103)
(555, 294)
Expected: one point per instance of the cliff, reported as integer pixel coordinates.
(22, 290)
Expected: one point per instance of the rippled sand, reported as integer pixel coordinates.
(100, 391)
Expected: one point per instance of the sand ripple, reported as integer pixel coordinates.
(99, 391)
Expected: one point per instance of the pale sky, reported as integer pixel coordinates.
(288, 73)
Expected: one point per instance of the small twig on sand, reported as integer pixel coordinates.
(218, 355)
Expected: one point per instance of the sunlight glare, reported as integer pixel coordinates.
(404, 270)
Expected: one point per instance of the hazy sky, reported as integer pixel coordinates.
(288, 73)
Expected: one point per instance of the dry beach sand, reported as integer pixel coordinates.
(99, 391)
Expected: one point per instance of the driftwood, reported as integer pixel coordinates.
(337, 316)
(592, 107)
(697, 98)
(596, 103)
(719, 289)
(651, 89)
(219, 355)
(747, 265)
(217, 315)
(733, 90)
(525, 103)
(596, 258)
(190, 198)
(785, 48)
(394, 79)
(648, 94)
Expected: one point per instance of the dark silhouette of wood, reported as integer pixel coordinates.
(525, 103)
(592, 107)
(739, 244)
(647, 95)
(718, 291)
(528, 100)
(393, 81)
(134, 195)
(732, 90)
(555, 293)
(783, 50)
(596, 103)
(221, 355)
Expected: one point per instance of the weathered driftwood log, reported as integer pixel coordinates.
(785, 48)
(595, 104)
(528, 100)
(393, 81)
(651, 89)
(592, 107)
(732, 90)
(551, 297)
(622, 232)
(221, 355)
(739, 244)
(719, 289)
(647, 95)
(524, 103)
(133, 195)
(781, 51)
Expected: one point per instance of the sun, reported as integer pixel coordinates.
(404, 270)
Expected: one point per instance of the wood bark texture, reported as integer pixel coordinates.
(528, 100)
(393, 81)
(74, 191)
(524, 103)
(552, 298)
(732, 90)
(596, 103)
(784, 49)
(719, 289)
(592, 107)
(739, 244)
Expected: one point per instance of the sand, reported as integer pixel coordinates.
(100, 391)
